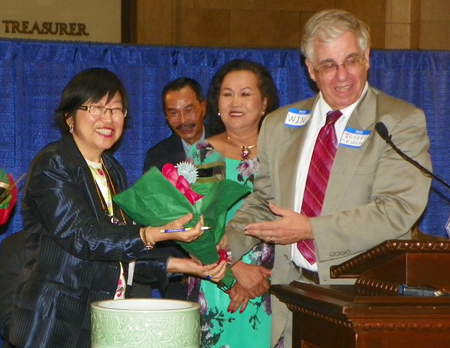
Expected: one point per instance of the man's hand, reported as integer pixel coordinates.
(291, 228)
(252, 278)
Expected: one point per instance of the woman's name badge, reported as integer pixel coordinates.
(354, 137)
(297, 118)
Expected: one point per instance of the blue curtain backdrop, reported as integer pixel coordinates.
(32, 75)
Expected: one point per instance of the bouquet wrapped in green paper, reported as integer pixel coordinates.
(158, 198)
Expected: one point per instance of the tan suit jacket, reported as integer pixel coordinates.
(372, 195)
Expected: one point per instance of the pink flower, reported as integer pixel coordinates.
(223, 255)
(170, 173)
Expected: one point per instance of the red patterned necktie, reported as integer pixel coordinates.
(317, 180)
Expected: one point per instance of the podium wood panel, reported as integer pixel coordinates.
(338, 317)
(372, 313)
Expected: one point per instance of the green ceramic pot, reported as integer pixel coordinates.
(145, 323)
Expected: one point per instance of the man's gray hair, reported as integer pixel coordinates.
(326, 26)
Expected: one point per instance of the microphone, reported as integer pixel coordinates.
(383, 131)
(384, 134)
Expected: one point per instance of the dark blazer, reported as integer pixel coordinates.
(13, 256)
(12, 259)
(75, 250)
(169, 150)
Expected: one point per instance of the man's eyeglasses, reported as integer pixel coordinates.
(187, 113)
(350, 64)
(98, 110)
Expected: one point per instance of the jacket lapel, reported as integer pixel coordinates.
(85, 176)
(347, 159)
(288, 153)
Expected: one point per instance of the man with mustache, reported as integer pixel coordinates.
(185, 108)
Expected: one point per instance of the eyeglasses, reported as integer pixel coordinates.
(187, 113)
(350, 64)
(98, 110)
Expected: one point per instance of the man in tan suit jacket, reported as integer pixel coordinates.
(372, 193)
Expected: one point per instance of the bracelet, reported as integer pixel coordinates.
(148, 244)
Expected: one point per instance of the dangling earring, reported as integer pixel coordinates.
(71, 129)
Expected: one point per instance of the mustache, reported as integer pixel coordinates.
(185, 126)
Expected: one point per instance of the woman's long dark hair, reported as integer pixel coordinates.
(266, 85)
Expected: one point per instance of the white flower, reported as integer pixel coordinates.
(188, 171)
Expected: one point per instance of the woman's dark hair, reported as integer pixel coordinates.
(266, 85)
(89, 85)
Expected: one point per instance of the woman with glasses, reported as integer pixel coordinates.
(83, 248)
(241, 94)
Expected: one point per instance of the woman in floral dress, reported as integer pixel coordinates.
(241, 94)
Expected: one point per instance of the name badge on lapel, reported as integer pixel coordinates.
(297, 118)
(354, 138)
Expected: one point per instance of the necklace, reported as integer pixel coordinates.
(245, 150)
(111, 186)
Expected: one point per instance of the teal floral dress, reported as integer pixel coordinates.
(219, 328)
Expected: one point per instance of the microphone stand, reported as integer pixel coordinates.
(424, 170)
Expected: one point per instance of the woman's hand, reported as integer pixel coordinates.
(253, 278)
(214, 272)
(187, 236)
(238, 298)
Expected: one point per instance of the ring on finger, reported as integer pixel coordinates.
(208, 276)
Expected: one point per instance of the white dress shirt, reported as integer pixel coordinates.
(187, 146)
(317, 122)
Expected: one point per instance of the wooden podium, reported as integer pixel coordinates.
(372, 313)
